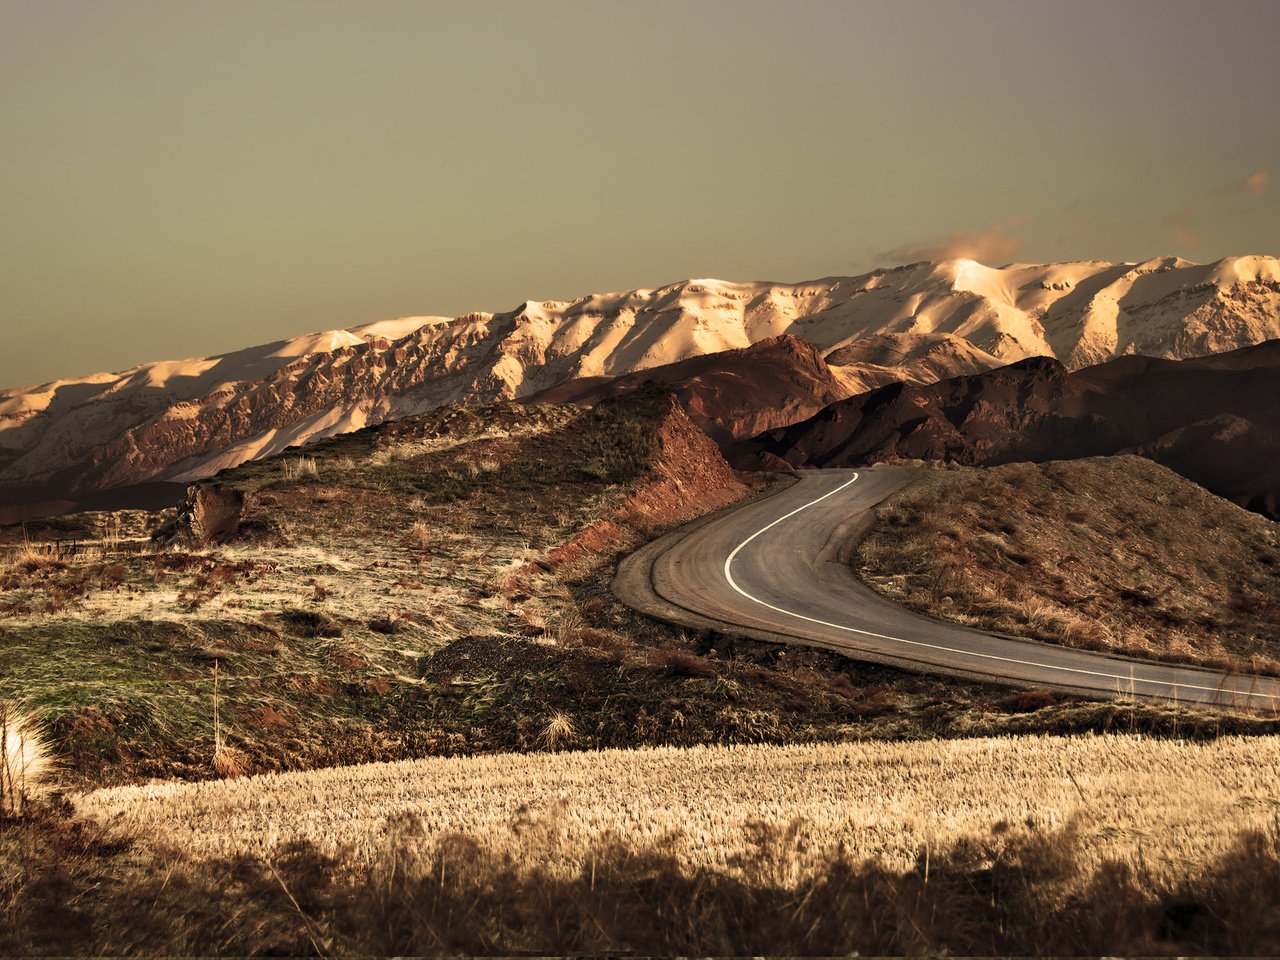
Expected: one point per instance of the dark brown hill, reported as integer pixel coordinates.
(1215, 420)
(730, 395)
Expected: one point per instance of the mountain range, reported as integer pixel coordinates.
(782, 352)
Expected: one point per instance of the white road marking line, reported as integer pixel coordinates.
(728, 575)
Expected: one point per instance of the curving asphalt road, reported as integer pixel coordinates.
(777, 569)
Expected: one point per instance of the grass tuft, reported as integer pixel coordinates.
(296, 468)
(229, 762)
(25, 760)
(558, 732)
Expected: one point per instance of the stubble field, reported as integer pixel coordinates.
(1163, 804)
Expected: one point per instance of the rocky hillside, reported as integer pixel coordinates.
(176, 421)
(732, 394)
(735, 394)
(343, 592)
(1215, 420)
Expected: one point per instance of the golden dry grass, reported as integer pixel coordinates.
(295, 468)
(1159, 803)
(25, 763)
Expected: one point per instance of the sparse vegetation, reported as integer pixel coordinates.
(1007, 891)
(440, 586)
(1115, 554)
(298, 468)
(340, 639)
(353, 597)
(558, 731)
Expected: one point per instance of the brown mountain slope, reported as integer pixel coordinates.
(888, 358)
(736, 394)
(1215, 420)
(732, 394)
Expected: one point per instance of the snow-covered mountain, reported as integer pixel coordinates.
(187, 419)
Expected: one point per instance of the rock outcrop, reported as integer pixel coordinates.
(211, 514)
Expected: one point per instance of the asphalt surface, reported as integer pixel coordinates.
(777, 569)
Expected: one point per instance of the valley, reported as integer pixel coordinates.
(371, 595)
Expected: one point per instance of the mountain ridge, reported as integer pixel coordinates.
(181, 420)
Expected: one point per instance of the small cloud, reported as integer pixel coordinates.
(1256, 183)
(994, 244)
(1182, 223)
(1182, 226)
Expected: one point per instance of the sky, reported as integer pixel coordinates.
(185, 179)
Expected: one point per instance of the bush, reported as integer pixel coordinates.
(1026, 701)
(681, 663)
(310, 623)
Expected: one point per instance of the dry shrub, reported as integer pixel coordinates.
(387, 626)
(873, 701)
(569, 628)
(1026, 701)
(25, 761)
(113, 575)
(681, 663)
(309, 623)
(558, 731)
(603, 639)
(230, 762)
(477, 468)
(420, 536)
(30, 558)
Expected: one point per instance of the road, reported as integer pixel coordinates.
(777, 569)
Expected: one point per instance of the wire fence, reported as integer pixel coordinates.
(68, 548)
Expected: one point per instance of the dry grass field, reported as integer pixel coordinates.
(1116, 554)
(1038, 845)
(1165, 803)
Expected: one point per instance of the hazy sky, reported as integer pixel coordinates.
(187, 178)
